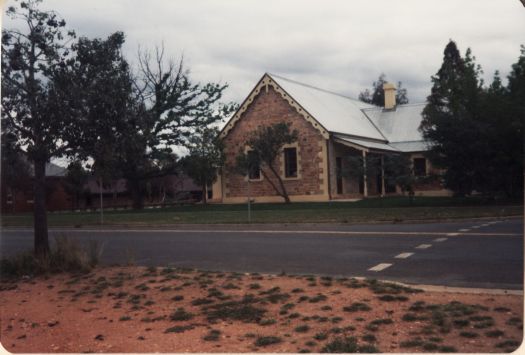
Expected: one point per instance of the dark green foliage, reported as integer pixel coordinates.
(181, 315)
(461, 323)
(177, 298)
(205, 157)
(513, 344)
(369, 338)
(356, 307)
(201, 301)
(494, 333)
(430, 346)
(411, 343)
(447, 349)
(320, 336)
(302, 328)
(267, 340)
(179, 329)
(486, 123)
(264, 322)
(318, 298)
(237, 310)
(265, 146)
(390, 298)
(124, 318)
(469, 334)
(347, 345)
(213, 335)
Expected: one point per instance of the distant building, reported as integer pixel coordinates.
(331, 127)
(21, 199)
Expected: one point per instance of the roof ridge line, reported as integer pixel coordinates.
(316, 88)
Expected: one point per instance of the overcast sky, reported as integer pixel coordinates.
(342, 46)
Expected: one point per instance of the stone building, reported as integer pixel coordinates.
(331, 127)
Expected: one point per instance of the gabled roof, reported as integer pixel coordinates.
(349, 121)
(399, 125)
(337, 113)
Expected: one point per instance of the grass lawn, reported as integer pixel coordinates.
(392, 209)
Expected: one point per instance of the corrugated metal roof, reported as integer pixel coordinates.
(399, 125)
(364, 143)
(337, 113)
(417, 146)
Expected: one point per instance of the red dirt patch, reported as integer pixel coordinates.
(134, 309)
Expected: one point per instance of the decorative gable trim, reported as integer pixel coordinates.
(266, 81)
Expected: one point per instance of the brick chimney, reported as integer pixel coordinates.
(390, 96)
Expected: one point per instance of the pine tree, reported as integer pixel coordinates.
(451, 117)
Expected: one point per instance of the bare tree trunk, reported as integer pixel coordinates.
(281, 184)
(281, 192)
(40, 209)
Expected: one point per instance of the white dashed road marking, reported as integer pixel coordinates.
(440, 239)
(380, 267)
(464, 230)
(423, 246)
(452, 234)
(403, 255)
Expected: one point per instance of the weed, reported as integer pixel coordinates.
(430, 346)
(320, 297)
(179, 329)
(269, 321)
(320, 336)
(277, 297)
(124, 318)
(447, 349)
(494, 333)
(236, 310)
(514, 321)
(213, 335)
(230, 286)
(303, 298)
(294, 315)
(149, 303)
(369, 338)
(357, 306)
(326, 308)
(336, 319)
(310, 343)
(267, 340)
(201, 301)
(254, 286)
(165, 289)
(177, 298)
(469, 334)
(302, 328)
(411, 343)
(347, 345)
(508, 344)
(390, 298)
(461, 323)
(297, 290)
(181, 315)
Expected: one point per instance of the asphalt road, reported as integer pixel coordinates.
(478, 253)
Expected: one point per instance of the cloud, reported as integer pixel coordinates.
(338, 45)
